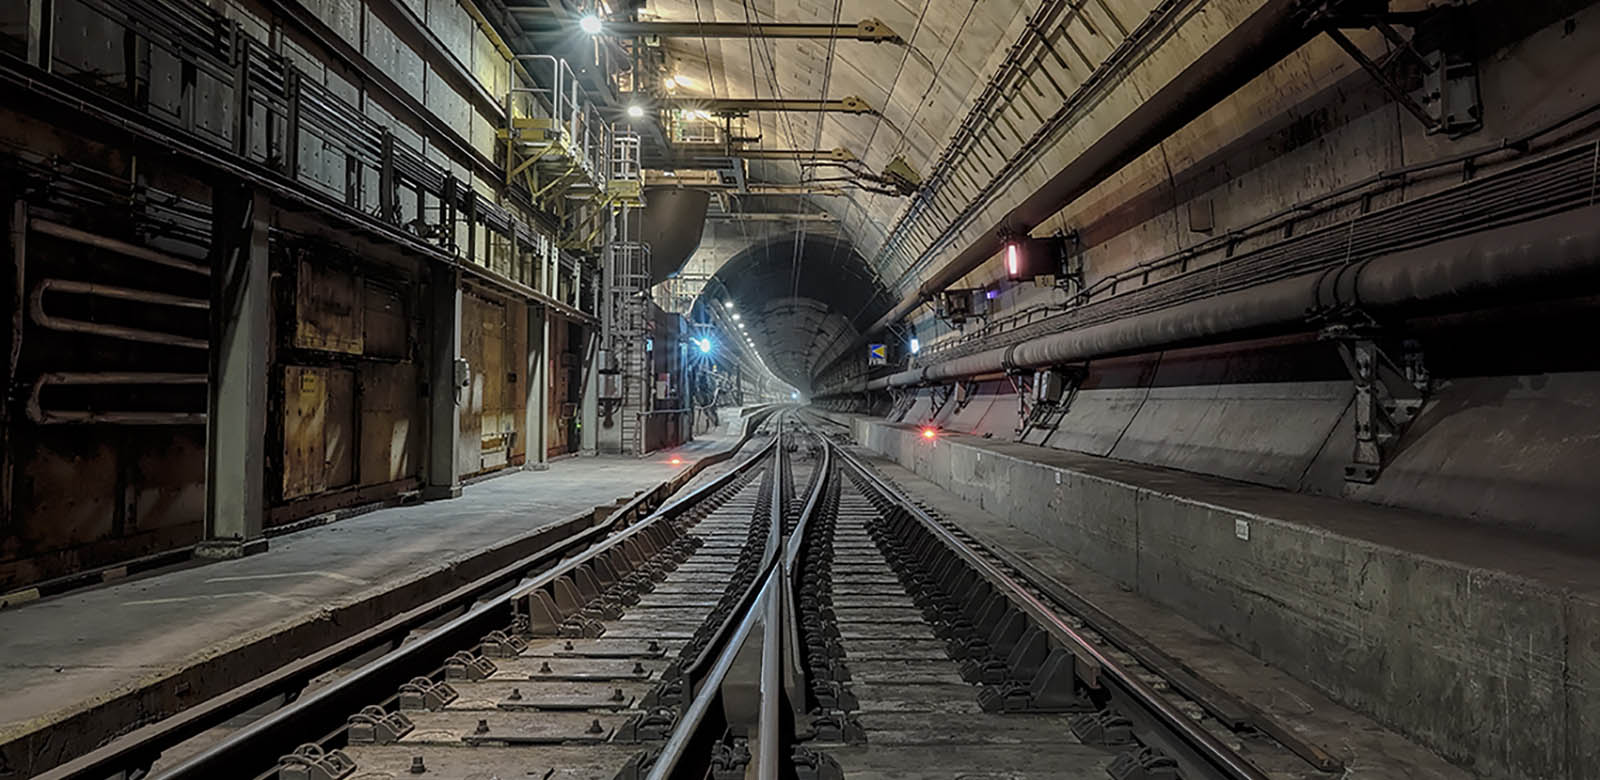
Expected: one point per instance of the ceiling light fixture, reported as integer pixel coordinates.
(635, 111)
(590, 24)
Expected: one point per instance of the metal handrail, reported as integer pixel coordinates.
(1108, 672)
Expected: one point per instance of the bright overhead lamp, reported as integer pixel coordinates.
(727, 304)
(635, 111)
(590, 24)
(736, 316)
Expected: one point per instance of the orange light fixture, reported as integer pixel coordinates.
(676, 461)
(928, 433)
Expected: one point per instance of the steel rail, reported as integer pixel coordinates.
(142, 747)
(771, 605)
(328, 708)
(1135, 698)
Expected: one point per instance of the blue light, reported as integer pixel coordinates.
(703, 344)
(916, 346)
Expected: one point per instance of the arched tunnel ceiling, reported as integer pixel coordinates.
(805, 297)
(921, 91)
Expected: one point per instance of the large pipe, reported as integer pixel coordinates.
(1266, 37)
(1550, 257)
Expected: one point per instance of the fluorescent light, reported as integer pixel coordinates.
(727, 304)
(916, 346)
(736, 316)
(635, 111)
(590, 24)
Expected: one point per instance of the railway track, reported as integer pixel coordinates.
(797, 618)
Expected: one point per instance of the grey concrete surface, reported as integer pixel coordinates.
(1476, 640)
(64, 654)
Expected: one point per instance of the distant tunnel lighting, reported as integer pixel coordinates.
(727, 304)
(736, 316)
(741, 326)
(590, 24)
(916, 346)
(928, 433)
(635, 111)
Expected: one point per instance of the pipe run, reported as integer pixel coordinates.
(1557, 256)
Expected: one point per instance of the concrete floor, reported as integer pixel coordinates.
(62, 655)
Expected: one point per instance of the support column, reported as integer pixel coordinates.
(16, 292)
(536, 423)
(446, 374)
(588, 441)
(236, 409)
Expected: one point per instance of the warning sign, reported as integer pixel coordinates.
(877, 355)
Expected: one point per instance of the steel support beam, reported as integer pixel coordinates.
(536, 420)
(871, 30)
(446, 373)
(236, 408)
(771, 217)
(849, 104)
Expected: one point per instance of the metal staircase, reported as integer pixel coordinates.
(627, 286)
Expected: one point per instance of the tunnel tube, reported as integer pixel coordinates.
(1266, 37)
(1550, 257)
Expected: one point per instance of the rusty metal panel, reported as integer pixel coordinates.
(391, 423)
(339, 428)
(328, 309)
(386, 328)
(304, 430)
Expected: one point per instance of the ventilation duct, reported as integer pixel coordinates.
(673, 221)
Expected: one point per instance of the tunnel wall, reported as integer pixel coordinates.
(1309, 126)
(1507, 449)
(1493, 669)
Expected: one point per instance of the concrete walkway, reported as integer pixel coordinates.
(62, 655)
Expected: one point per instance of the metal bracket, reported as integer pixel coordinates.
(966, 390)
(903, 401)
(941, 395)
(1437, 81)
(1389, 396)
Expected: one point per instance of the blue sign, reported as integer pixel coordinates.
(877, 355)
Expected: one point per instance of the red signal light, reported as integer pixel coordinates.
(676, 461)
(928, 433)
